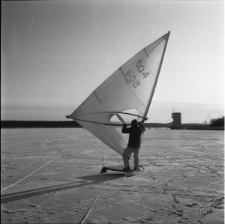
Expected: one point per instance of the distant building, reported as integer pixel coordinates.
(176, 120)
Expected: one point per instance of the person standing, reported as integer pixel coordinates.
(134, 144)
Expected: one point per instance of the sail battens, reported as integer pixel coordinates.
(94, 122)
(115, 96)
(114, 113)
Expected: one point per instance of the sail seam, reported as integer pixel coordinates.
(146, 52)
(97, 129)
(131, 88)
(123, 74)
(97, 96)
(153, 56)
(116, 132)
(139, 53)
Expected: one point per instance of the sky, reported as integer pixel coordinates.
(55, 53)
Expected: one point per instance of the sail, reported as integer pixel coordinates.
(130, 87)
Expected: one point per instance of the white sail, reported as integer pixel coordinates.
(130, 87)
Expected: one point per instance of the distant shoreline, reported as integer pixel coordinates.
(59, 124)
(74, 124)
(40, 124)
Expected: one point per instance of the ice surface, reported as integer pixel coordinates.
(53, 176)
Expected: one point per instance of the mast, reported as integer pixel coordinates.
(160, 65)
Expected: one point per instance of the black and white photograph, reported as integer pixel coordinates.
(112, 111)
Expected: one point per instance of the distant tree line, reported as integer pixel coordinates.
(40, 124)
(218, 122)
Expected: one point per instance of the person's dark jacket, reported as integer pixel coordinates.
(135, 134)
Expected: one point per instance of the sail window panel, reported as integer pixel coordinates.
(127, 116)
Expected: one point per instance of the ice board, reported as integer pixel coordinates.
(119, 168)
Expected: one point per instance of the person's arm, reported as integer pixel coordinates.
(142, 127)
(125, 129)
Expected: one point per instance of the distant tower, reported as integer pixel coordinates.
(176, 120)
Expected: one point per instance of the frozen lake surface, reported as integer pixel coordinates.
(53, 176)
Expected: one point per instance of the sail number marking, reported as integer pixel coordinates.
(132, 78)
(141, 68)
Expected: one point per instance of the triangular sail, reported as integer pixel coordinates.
(130, 87)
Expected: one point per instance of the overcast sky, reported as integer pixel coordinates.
(55, 53)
